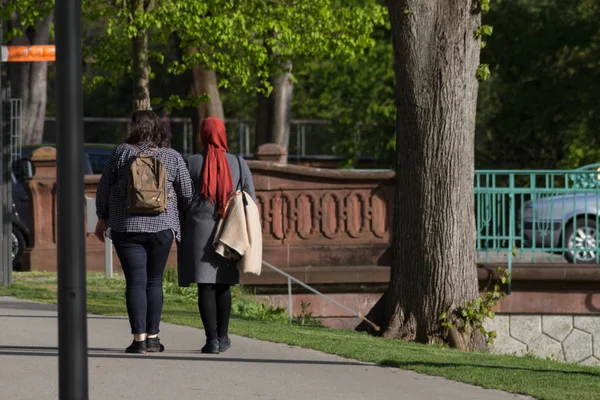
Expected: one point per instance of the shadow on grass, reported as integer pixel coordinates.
(414, 365)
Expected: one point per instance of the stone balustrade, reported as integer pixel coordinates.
(312, 219)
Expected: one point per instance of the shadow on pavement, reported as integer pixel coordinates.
(55, 316)
(110, 353)
(27, 305)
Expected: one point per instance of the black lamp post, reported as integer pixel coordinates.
(72, 318)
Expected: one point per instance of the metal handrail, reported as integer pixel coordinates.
(189, 120)
(290, 278)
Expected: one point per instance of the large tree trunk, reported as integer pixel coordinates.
(141, 67)
(204, 83)
(433, 269)
(29, 82)
(273, 114)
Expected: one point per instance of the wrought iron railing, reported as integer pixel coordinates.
(538, 216)
(306, 136)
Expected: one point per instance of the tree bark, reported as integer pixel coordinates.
(141, 84)
(264, 126)
(29, 82)
(282, 104)
(204, 82)
(273, 113)
(433, 269)
(141, 67)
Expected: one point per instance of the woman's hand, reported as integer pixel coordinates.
(100, 229)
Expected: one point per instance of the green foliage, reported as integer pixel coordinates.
(356, 96)
(539, 107)
(474, 313)
(28, 12)
(484, 30)
(306, 318)
(484, 5)
(483, 72)
(243, 304)
(236, 39)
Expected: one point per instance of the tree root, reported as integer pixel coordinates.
(395, 323)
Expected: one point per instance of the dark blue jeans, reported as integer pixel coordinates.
(143, 258)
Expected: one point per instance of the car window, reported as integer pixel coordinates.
(98, 162)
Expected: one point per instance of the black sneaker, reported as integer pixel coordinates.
(211, 347)
(154, 345)
(137, 347)
(224, 344)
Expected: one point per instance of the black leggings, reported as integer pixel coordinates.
(143, 258)
(214, 304)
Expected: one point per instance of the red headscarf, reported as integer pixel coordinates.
(217, 184)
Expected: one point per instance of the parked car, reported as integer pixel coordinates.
(96, 156)
(20, 238)
(567, 223)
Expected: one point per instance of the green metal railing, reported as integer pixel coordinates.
(538, 216)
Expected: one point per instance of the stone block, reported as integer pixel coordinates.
(591, 362)
(525, 328)
(546, 347)
(271, 152)
(500, 324)
(557, 327)
(577, 346)
(508, 345)
(588, 324)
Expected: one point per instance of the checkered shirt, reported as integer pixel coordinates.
(112, 192)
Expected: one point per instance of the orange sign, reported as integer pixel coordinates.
(28, 53)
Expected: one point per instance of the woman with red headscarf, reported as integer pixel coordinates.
(216, 175)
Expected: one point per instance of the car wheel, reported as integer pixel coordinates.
(583, 240)
(18, 246)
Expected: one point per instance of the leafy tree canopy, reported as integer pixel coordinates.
(539, 108)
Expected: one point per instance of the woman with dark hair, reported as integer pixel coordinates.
(144, 187)
(216, 174)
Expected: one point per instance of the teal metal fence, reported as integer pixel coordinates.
(538, 216)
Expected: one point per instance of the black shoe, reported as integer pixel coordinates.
(224, 344)
(211, 347)
(154, 345)
(137, 347)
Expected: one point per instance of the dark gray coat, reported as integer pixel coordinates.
(197, 260)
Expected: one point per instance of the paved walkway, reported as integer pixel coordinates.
(250, 370)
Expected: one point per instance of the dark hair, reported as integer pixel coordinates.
(146, 127)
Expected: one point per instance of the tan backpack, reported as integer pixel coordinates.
(147, 187)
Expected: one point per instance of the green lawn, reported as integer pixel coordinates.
(525, 375)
